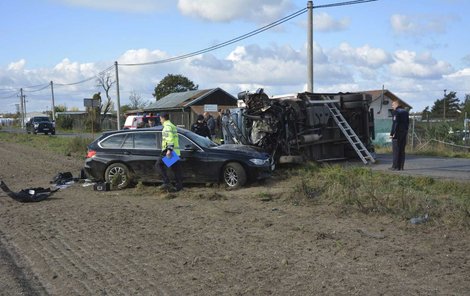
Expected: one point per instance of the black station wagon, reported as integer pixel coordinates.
(130, 156)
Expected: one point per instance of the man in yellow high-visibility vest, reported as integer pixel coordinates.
(170, 143)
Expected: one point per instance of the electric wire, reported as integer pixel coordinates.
(85, 80)
(9, 97)
(211, 48)
(343, 3)
(226, 43)
(44, 87)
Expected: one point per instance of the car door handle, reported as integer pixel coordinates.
(126, 153)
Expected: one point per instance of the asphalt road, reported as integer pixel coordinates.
(437, 167)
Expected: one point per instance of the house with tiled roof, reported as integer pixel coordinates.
(184, 107)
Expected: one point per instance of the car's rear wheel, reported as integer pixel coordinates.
(117, 174)
(234, 175)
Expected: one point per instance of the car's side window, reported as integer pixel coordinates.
(184, 142)
(146, 141)
(114, 141)
(128, 142)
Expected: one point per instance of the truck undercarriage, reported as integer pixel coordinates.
(299, 127)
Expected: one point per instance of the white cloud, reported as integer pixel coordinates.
(279, 69)
(17, 66)
(228, 10)
(364, 56)
(419, 24)
(140, 6)
(323, 22)
(424, 66)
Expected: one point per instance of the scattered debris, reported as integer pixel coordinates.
(29, 194)
(419, 219)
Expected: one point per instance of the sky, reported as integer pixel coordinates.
(414, 48)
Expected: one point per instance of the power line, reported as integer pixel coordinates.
(343, 3)
(211, 48)
(44, 87)
(226, 43)
(85, 80)
(11, 96)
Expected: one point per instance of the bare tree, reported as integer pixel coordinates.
(105, 81)
(136, 101)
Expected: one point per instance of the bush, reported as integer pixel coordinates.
(65, 123)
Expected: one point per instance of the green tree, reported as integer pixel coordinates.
(425, 114)
(173, 83)
(60, 108)
(450, 103)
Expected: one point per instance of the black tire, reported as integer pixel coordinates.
(234, 175)
(53, 133)
(120, 172)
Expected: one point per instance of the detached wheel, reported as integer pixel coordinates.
(234, 175)
(117, 174)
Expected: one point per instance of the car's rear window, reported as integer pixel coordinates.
(114, 141)
(139, 140)
(145, 141)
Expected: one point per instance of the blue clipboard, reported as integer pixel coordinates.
(170, 161)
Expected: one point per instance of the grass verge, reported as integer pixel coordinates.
(67, 146)
(361, 189)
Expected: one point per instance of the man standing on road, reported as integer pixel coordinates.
(170, 143)
(398, 134)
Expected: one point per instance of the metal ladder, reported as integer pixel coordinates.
(356, 143)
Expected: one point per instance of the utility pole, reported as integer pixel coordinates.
(118, 99)
(310, 47)
(53, 104)
(21, 108)
(445, 95)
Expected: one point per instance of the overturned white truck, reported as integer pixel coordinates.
(303, 126)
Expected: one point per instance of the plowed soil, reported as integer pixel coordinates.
(260, 240)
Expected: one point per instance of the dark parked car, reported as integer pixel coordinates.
(130, 155)
(40, 124)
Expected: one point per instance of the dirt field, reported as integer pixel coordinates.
(259, 240)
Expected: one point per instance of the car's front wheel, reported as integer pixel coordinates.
(117, 174)
(234, 175)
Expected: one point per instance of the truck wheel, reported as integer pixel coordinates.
(234, 175)
(117, 174)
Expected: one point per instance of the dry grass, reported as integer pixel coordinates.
(361, 189)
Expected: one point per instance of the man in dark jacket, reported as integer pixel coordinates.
(398, 134)
(210, 124)
(200, 127)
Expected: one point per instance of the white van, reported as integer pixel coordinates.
(139, 121)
